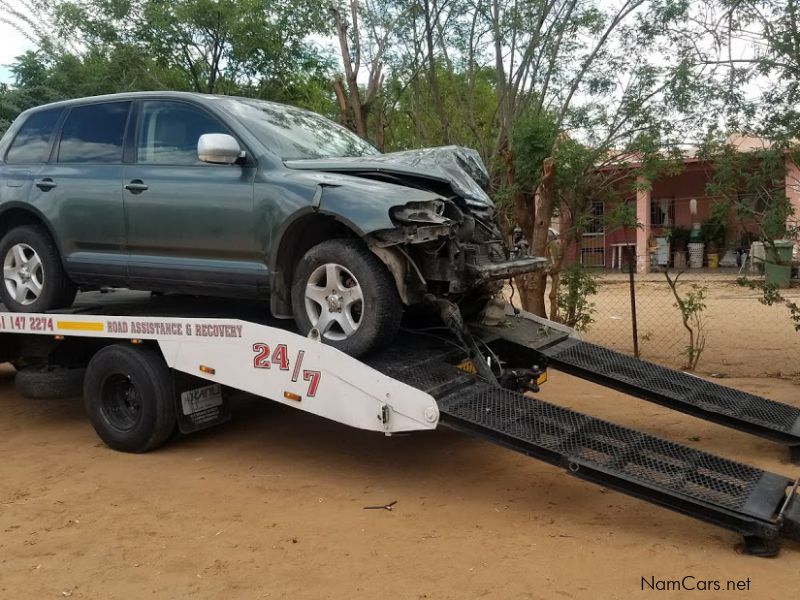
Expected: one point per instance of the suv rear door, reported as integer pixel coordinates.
(27, 152)
(190, 224)
(80, 191)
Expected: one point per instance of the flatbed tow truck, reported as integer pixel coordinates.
(176, 361)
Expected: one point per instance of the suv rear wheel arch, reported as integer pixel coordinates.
(16, 215)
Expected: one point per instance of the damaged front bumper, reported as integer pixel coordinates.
(492, 271)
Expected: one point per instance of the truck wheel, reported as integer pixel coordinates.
(33, 276)
(128, 393)
(346, 293)
(49, 382)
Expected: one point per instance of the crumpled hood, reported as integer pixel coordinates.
(461, 167)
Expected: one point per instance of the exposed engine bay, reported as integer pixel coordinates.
(452, 250)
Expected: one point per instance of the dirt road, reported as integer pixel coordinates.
(272, 506)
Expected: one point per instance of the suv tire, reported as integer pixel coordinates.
(34, 280)
(343, 286)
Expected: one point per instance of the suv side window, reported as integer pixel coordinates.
(93, 133)
(169, 132)
(32, 144)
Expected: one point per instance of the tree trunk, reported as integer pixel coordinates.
(341, 100)
(555, 276)
(433, 77)
(555, 281)
(532, 287)
(351, 65)
(380, 130)
(359, 110)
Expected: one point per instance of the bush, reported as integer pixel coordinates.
(576, 285)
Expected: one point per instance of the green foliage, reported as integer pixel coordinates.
(576, 179)
(41, 78)
(241, 47)
(533, 141)
(679, 238)
(469, 100)
(768, 30)
(753, 182)
(772, 296)
(504, 195)
(575, 288)
(622, 216)
(715, 228)
(691, 306)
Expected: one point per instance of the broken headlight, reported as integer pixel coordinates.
(429, 212)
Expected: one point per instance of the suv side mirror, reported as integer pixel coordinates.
(218, 148)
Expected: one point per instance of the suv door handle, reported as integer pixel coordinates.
(45, 184)
(137, 186)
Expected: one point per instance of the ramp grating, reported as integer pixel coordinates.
(724, 492)
(678, 390)
(582, 439)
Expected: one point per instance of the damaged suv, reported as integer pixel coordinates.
(234, 197)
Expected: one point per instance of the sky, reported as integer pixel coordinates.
(12, 44)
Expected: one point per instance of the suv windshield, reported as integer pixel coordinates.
(293, 133)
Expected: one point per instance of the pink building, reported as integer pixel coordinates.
(662, 205)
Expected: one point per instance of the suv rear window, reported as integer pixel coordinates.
(94, 133)
(32, 144)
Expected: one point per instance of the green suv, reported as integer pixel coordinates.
(234, 197)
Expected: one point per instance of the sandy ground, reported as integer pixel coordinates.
(272, 506)
(744, 337)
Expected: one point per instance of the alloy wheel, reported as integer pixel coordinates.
(334, 301)
(23, 274)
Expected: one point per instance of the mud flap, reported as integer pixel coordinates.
(199, 404)
(9, 348)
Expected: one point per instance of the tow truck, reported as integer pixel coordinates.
(153, 364)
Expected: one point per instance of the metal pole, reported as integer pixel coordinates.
(634, 323)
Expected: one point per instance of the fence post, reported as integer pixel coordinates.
(632, 283)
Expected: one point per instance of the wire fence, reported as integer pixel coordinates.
(743, 336)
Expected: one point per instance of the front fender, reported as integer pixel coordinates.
(366, 211)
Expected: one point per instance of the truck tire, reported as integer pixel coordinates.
(341, 288)
(49, 382)
(128, 393)
(34, 280)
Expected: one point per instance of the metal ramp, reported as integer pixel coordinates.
(761, 506)
(679, 391)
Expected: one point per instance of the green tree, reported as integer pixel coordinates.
(587, 71)
(753, 183)
(253, 47)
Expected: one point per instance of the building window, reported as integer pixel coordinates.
(595, 225)
(662, 212)
(593, 244)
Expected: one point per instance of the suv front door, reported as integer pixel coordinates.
(190, 224)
